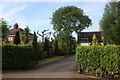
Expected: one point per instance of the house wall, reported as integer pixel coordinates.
(87, 44)
(84, 44)
(11, 39)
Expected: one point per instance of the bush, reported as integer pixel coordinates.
(101, 61)
(17, 56)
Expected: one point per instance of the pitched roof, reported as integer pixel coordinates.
(13, 31)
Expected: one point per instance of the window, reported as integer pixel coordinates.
(10, 38)
(84, 39)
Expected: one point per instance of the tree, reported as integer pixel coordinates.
(27, 31)
(4, 27)
(34, 40)
(43, 34)
(35, 49)
(56, 47)
(17, 38)
(46, 46)
(94, 40)
(109, 24)
(69, 19)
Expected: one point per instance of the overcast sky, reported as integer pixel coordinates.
(37, 15)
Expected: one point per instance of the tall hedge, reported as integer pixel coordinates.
(101, 61)
(17, 56)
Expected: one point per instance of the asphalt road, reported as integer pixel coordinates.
(63, 68)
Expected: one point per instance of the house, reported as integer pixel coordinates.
(12, 33)
(85, 38)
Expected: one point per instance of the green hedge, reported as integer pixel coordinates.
(17, 56)
(103, 61)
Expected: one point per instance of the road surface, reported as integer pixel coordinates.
(63, 68)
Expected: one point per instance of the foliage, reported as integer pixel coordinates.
(26, 36)
(17, 38)
(68, 19)
(21, 56)
(56, 48)
(4, 27)
(17, 56)
(109, 24)
(94, 40)
(34, 40)
(46, 46)
(66, 43)
(99, 60)
(72, 45)
(27, 31)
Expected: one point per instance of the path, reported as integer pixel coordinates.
(63, 68)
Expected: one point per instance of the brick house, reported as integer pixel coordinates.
(12, 33)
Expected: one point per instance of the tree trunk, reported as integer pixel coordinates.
(78, 37)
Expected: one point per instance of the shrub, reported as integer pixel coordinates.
(99, 60)
(17, 56)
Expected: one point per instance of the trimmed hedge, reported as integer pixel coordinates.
(17, 56)
(103, 61)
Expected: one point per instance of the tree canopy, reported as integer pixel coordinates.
(70, 18)
(109, 24)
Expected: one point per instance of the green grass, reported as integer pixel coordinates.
(44, 61)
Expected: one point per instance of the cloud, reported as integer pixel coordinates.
(15, 10)
(9, 16)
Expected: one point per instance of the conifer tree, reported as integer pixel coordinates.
(34, 40)
(46, 46)
(17, 38)
(109, 23)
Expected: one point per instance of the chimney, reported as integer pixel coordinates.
(16, 26)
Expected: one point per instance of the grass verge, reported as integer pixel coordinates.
(47, 60)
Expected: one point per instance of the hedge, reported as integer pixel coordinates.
(17, 56)
(103, 61)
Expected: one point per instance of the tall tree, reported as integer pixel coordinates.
(46, 46)
(69, 19)
(27, 31)
(56, 47)
(109, 24)
(17, 38)
(34, 40)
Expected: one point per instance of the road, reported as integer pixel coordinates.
(63, 68)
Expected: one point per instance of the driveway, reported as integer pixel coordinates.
(63, 68)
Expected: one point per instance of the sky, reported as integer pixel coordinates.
(37, 15)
